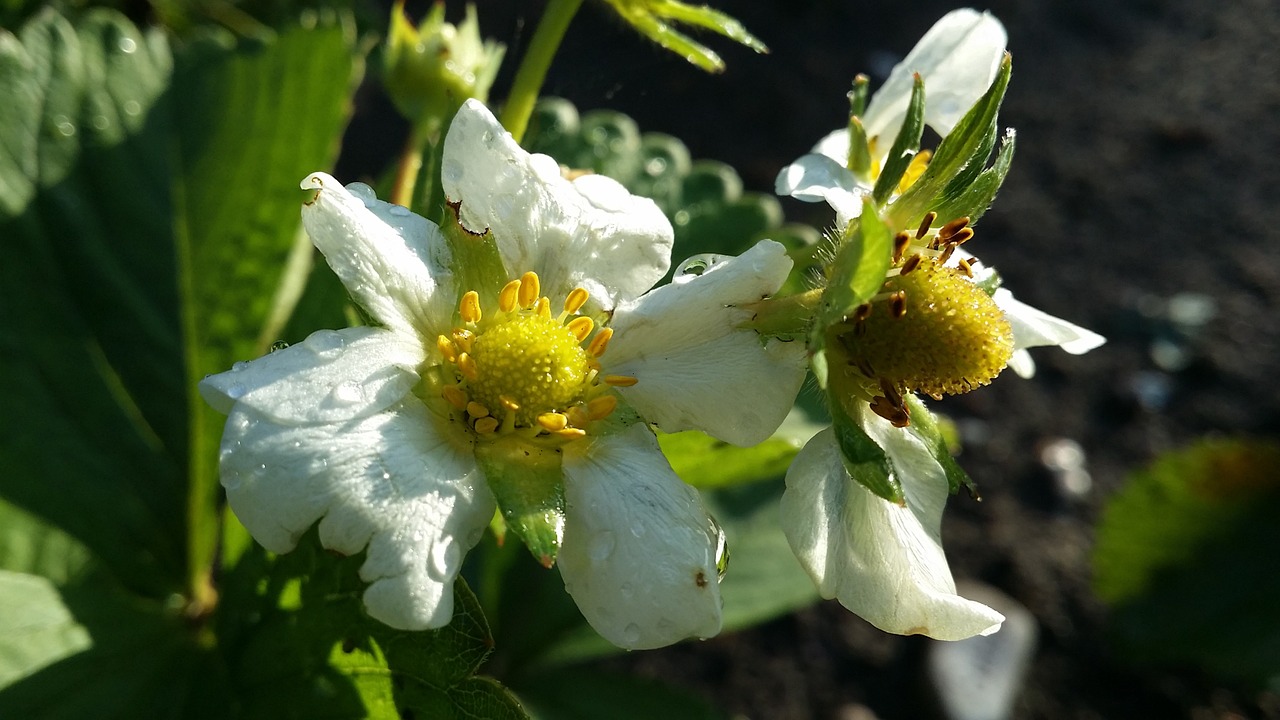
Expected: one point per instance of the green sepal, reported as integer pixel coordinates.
(972, 200)
(904, 147)
(858, 96)
(957, 151)
(476, 260)
(925, 427)
(527, 481)
(864, 460)
(650, 17)
(859, 160)
(857, 272)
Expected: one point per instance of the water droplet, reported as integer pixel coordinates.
(347, 392)
(132, 107)
(386, 475)
(444, 560)
(279, 345)
(452, 170)
(363, 192)
(235, 390)
(127, 45)
(417, 536)
(717, 536)
(697, 266)
(601, 546)
(631, 634)
(655, 166)
(231, 479)
(64, 126)
(100, 122)
(398, 210)
(324, 341)
(638, 530)
(239, 365)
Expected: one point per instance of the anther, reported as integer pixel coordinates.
(529, 289)
(898, 304)
(455, 396)
(577, 416)
(575, 300)
(961, 237)
(900, 243)
(469, 308)
(952, 228)
(581, 327)
(912, 263)
(509, 296)
(620, 380)
(926, 223)
(600, 342)
(599, 408)
(895, 414)
(486, 425)
(965, 267)
(553, 421)
(862, 312)
(467, 365)
(544, 308)
(946, 254)
(476, 410)
(462, 339)
(571, 433)
(890, 392)
(446, 348)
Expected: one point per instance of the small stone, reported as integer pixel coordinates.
(979, 678)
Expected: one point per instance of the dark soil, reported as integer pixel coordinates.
(1146, 168)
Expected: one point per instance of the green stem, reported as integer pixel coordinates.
(533, 68)
(407, 171)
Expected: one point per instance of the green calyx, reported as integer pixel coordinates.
(526, 479)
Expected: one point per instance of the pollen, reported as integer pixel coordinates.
(941, 335)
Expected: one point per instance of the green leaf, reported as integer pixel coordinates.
(857, 273)
(1184, 555)
(973, 200)
(707, 463)
(160, 207)
(904, 146)
(304, 647)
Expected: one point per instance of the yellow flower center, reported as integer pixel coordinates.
(523, 369)
(931, 329)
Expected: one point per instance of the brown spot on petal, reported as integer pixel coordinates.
(700, 579)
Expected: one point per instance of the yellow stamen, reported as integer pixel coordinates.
(509, 296)
(952, 228)
(446, 348)
(570, 433)
(544, 308)
(467, 365)
(486, 425)
(620, 380)
(576, 299)
(577, 416)
(965, 267)
(599, 408)
(914, 170)
(462, 340)
(476, 410)
(600, 342)
(469, 308)
(455, 396)
(553, 421)
(529, 288)
(581, 327)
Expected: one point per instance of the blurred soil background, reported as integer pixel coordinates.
(1142, 204)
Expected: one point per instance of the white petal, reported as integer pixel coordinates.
(835, 146)
(333, 375)
(817, 177)
(639, 548)
(391, 481)
(880, 560)
(696, 368)
(958, 58)
(1022, 364)
(588, 233)
(1035, 328)
(394, 263)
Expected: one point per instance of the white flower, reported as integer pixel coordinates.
(958, 58)
(373, 431)
(881, 560)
